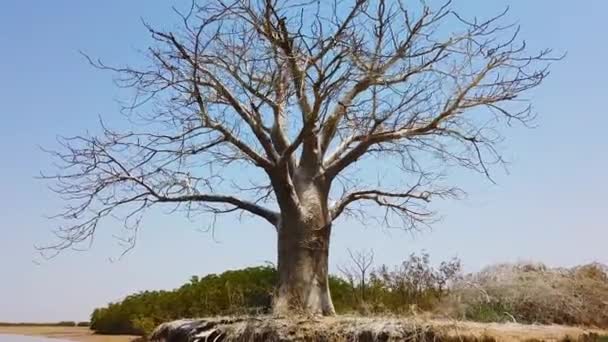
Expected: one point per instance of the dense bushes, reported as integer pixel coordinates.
(411, 286)
(525, 293)
(534, 293)
(249, 291)
(243, 291)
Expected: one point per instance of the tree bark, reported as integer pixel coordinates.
(303, 256)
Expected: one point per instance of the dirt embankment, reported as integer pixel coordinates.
(346, 329)
(370, 329)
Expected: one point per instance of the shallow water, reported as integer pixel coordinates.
(19, 338)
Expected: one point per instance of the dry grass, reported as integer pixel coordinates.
(77, 334)
(533, 293)
(515, 332)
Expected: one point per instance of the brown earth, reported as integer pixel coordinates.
(365, 329)
(77, 334)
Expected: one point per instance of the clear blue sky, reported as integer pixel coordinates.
(551, 206)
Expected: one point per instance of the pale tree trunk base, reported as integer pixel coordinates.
(317, 302)
(303, 284)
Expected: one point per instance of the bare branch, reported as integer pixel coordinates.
(290, 103)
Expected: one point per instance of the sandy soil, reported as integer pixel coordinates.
(77, 334)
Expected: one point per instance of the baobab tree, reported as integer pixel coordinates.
(299, 113)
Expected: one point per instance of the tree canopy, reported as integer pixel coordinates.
(297, 96)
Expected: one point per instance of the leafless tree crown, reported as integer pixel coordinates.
(250, 96)
(357, 271)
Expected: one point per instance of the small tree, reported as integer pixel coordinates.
(357, 271)
(298, 97)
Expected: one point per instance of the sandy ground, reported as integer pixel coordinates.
(77, 334)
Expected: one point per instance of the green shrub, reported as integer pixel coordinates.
(415, 283)
(143, 325)
(526, 293)
(233, 292)
(486, 312)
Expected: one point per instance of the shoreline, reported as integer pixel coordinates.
(76, 334)
(500, 331)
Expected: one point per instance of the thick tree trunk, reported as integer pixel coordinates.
(303, 257)
(303, 254)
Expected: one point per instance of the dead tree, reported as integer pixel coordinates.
(300, 112)
(357, 272)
